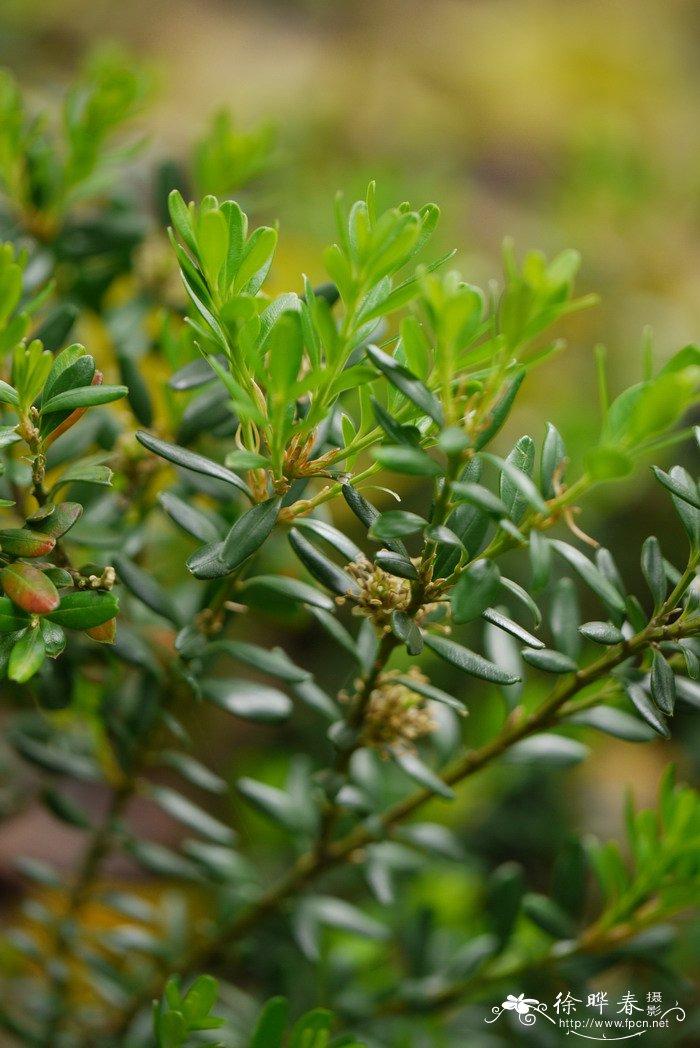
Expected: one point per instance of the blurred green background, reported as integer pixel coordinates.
(560, 124)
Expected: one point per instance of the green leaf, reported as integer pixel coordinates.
(431, 692)
(148, 591)
(602, 633)
(54, 638)
(27, 656)
(84, 473)
(311, 1031)
(413, 461)
(663, 684)
(608, 463)
(500, 412)
(322, 569)
(84, 609)
(548, 915)
(647, 709)
(274, 661)
(283, 586)
(613, 722)
(395, 523)
(29, 588)
(685, 508)
(192, 770)
(556, 750)
(686, 491)
(206, 562)
(481, 497)
(248, 699)
(519, 489)
(564, 618)
(395, 564)
(61, 519)
(468, 661)
(58, 761)
(653, 570)
(190, 519)
(190, 460)
(521, 459)
(83, 397)
(249, 533)
(190, 815)
(513, 628)
(549, 661)
(407, 383)
(553, 465)
(11, 619)
(335, 538)
(476, 589)
(21, 542)
(276, 805)
(199, 1000)
(8, 395)
(271, 1025)
(590, 575)
(421, 773)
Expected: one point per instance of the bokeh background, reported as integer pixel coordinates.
(559, 124)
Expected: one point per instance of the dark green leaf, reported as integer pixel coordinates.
(476, 589)
(395, 523)
(395, 564)
(549, 661)
(564, 618)
(421, 773)
(408, 384)
(281, 585)
(148, 591)
(206, 562)
(249, 533)
(413, 461)
(556, 750)
(647, 709)
(481, 497)
(590, 575)
(273, 661)
(613, 722)
(190, 519)
(663, 684)
(190, 460)
(653, 570)
(11, 619)
(331, 535)
(468, 661)
(322, 569)
(248, 699)
(61, 520)
(190, 814)
(513, 628)
(602, 632)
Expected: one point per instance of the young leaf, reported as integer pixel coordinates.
(29, 588)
